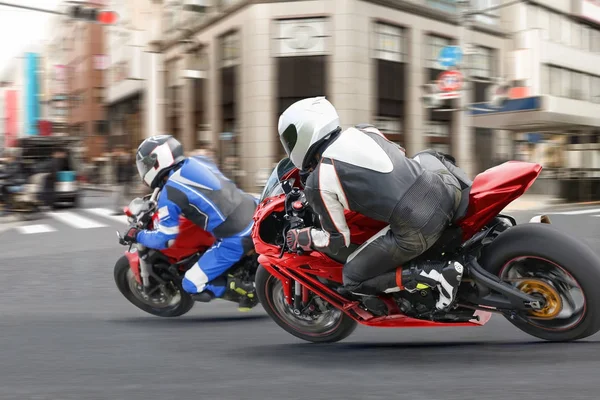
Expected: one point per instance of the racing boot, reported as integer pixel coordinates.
(446, 276)
(245, 291)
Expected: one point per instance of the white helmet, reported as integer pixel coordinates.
(305, 125)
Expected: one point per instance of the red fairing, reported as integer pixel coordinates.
(494, 189)
(361, 227)
(191, 239)
(134, 264)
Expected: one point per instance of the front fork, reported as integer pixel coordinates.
(144, 267)
(301, 297)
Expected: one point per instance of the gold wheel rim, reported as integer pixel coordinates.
(553, 301)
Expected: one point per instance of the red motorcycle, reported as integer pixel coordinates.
(542, 280)
(152, 281)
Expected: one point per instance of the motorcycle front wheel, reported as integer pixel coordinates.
(173, 302)
(544, 262)
(324, 325)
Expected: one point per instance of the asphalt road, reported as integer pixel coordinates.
(67, 334)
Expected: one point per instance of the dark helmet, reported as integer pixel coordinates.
(156, 156)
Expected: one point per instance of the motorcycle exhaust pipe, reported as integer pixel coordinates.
(540, 219)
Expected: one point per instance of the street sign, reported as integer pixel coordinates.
(450, 81)
(450, 56)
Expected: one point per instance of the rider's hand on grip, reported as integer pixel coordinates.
(299, 239)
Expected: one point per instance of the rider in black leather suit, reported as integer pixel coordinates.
(358, 169)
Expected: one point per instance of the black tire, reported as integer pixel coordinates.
(264, 288)
(545, 241)
(121, 279)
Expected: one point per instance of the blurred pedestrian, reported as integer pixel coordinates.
(124, 175)
(204, 149)
(52, 168)
(12, 175)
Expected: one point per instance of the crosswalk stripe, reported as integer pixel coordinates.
(578, 212)
(31, 229)
(75, 220)
(107, 213)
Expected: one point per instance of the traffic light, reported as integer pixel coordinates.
(431, 99)
(92, 15)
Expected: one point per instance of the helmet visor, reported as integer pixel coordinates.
(145, 164)
(288, 138)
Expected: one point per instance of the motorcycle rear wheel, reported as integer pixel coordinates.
(542, 247)
(123, 279)
(328, 330)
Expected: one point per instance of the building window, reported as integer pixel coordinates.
(595, 89)
(483, 62)
(230, 49)
(491, 17)
(200, 60)
(390, 43)
(586, 90)
(98, 95)
(434, 46)
(562, 82)
(586, 34)
(449, 6)
(563, 29)
(388, 125)
(594, 41)
(437, 129)
(440, 147)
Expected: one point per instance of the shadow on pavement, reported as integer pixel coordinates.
(158, 321)
(427, 353)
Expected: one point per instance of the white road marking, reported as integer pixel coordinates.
(578, 212)
(75, 220)
(107, 213)
(30, 229)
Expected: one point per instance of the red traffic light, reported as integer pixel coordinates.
(107, 17)
(92, 15)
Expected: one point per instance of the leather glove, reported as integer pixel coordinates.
(131, 235)
(299, 239)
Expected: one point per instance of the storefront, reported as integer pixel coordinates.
(125, 121)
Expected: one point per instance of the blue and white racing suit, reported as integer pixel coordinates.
(199, 192)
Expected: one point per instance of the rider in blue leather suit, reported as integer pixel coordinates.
(195, 189)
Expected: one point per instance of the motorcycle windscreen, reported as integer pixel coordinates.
(273, 186)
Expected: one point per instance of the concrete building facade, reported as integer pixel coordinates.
(553, 55)
(233, 69)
